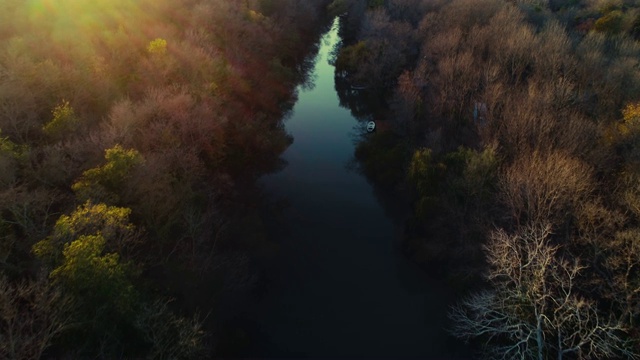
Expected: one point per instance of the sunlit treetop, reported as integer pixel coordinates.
(157, 46)
(630, 119)
(73, 27)
(64, 121)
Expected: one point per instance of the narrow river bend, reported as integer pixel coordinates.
(340, 285)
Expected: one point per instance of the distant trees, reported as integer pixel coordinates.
(378, 59)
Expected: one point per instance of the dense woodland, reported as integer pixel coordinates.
(516, 127)
(132, 133)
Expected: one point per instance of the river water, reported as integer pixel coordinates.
(340, 285)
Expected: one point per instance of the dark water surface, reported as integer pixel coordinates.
(340, 286)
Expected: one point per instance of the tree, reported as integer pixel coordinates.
(25, 218)
(622, 265)
(83, 263)
(64, 121)
(544, 187)
(97, 278)
(534, 310)
(423, 173)
(109, 222)
(32, 314)
(11, 156)
(104, 183)
(157, 46)
(170, 336)
(610, 23)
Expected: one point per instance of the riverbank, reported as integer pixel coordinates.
(518, 136)
(339, 284)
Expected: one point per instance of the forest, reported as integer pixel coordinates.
(133, 133)
(516, 127)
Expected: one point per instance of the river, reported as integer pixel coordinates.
(340, 285)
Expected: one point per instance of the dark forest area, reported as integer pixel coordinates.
(515, 133)
(132, 133)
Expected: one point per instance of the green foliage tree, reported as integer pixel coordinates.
(83, 262)
(157, 46)
(104, 183)
(11, 157)
(63, 123)
(9, 148)
(423, 173)
(94, 276)
(610, 23)
(480, 172)
(472, 174)
(350, 57)
(109, 222)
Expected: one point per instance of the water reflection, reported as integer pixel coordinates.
(339, 284)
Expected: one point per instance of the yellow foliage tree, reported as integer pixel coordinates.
(157, 46)
(631, 116)
(102, 184)
(64, 121)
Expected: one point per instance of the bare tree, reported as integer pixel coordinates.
(622, 266)
(32, 314)
(533, 310)
(170, 336)
(545, 187)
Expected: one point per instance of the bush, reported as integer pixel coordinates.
(611, 23)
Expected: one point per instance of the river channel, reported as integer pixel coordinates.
(340, 284)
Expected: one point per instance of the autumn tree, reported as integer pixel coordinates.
(544, 187)
(84, 254)
(64, 121)
(104, 183)
(110, 222)
(80, 255)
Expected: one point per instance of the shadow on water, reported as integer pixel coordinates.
(338, 284)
